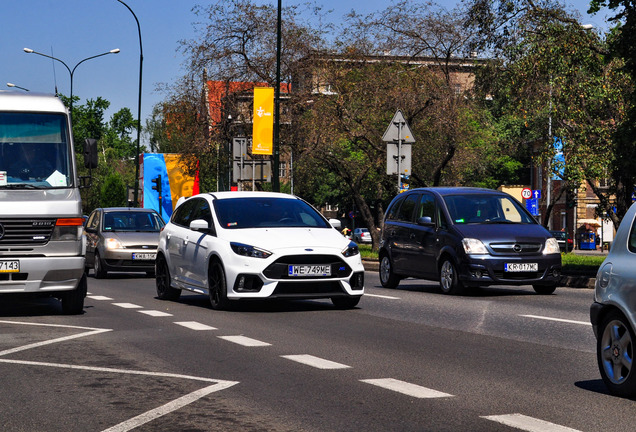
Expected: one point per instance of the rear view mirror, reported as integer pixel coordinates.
(90, 153)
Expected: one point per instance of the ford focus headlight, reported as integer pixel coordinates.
(112, 243)
(249, 251)
(350, 250)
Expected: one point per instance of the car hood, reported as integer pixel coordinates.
(273, 239)
(496, 232)
(130, 238)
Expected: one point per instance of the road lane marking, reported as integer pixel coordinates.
(92, 331)
(557, 319)
(316, 362)
(529, 424)
(99, 297)
(245, 341)
(406, 388)
(381, 296)
(169, 407)
(155, 313)
(193, 325)
(128, 305)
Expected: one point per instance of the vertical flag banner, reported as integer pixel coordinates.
(263, 123)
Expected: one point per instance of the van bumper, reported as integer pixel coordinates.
(43, 274)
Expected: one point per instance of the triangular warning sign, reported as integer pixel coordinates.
(398, 130)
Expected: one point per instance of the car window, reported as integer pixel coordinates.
(253, 212)
(183, 214)
(131, 221)
(426, 207)
(93, 220)
(406, 209)
(486, 208)
(392, 212)
(631, 245)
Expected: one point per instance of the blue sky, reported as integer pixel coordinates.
(72, 30)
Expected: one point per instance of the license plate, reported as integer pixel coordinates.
(521, 267)
(144, 256)
(9, 266)
(309, 270)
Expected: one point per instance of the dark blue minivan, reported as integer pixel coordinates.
(466, 237)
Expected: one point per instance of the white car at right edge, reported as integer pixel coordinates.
(256, 245)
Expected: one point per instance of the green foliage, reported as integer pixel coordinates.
(113, 191)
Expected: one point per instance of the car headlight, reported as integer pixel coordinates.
(474, 246)
(113, 243)
(551, 246)
(350, 250)
(249, 251)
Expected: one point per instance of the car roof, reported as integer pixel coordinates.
(455, 190)
(250, 194)
(11, 100)
(130, 209)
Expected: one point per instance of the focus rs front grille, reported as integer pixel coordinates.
(27, 232)
(279, 268)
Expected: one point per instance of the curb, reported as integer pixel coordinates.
(570, 281)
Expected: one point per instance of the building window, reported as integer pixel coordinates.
(282, 169)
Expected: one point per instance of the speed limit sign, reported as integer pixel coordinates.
(526, 193)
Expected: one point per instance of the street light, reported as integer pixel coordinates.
(141, 62)
(17, 86)
(71, 71)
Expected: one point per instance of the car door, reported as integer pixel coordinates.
(398, 234)
(195, 249)
(176, 239)
(423, 240)
(92, 235)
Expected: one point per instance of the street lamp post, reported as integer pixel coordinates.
(71, 71)
(17, 86)
(141, 62)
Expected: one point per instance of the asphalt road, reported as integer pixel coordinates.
(409, 359)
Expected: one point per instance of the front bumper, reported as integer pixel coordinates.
(484, 270)
(43, 274)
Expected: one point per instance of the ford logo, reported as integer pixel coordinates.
(308, 249)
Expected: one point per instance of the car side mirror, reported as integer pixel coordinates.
(90, 153)
(335, 223)
(425, 220)
(200, 225)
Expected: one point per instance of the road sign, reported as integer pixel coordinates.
(526, 193)
(532, 204)
(398, 130)
(536, 194)
(392, 159)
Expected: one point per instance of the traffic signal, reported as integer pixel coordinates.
(157, 186)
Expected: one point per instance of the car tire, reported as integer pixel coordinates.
(388, 279)
(73, 301)
(544, 289)
(98, 267)
(615, 353)
(217, 286)
(345, 302)
(449, 281)
(162, 281)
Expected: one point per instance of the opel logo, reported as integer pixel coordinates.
(1, 231)
(516, 248)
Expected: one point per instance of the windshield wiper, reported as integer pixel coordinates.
(20, 186)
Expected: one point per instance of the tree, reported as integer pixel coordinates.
(113, 191)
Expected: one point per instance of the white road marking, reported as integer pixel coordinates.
(98, 297)
(155, 313)
(128, 305)
(529, 424)
(168, 408)
(315, 361)
(381, 296)
(245, 341)
(193, 325)
(406, 388)
(92, 331)
(557, 319)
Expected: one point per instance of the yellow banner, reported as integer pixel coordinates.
(263, 123)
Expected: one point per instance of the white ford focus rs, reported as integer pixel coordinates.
(256, 245)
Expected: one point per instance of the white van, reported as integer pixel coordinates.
(42, 246)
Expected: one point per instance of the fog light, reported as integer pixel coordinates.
(478, 274)
(556, 273)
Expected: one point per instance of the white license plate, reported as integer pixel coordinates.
(309, 270)
(9, 266)
(521, 267)
(144, 256)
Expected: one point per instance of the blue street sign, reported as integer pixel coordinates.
(532, 205)
(536, 194)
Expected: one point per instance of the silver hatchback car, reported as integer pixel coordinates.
(613, 313)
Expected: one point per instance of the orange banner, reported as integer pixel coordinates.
(263, 123)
